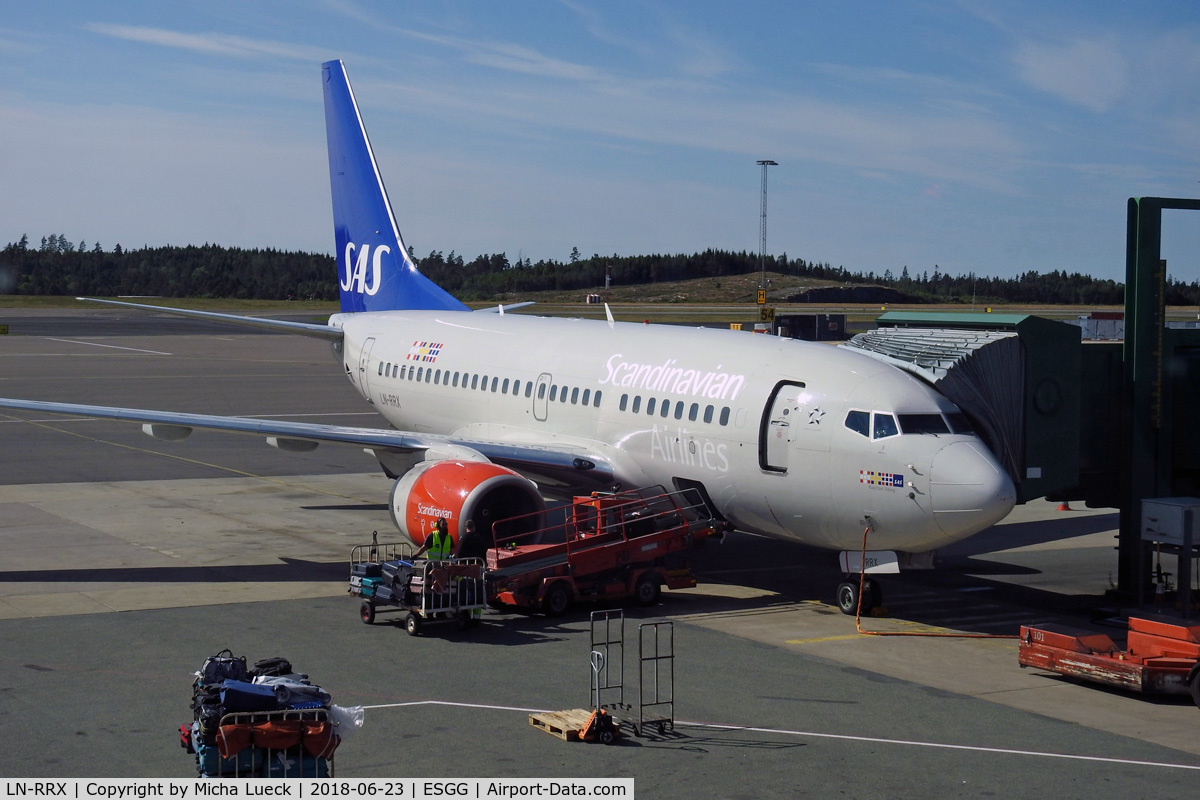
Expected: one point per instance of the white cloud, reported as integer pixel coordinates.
(1088, 73)
(211, 43)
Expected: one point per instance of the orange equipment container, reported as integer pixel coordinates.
(1159, 658)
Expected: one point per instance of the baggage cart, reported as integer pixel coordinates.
(428, 590)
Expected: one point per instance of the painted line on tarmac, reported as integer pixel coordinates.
(838, 736)
(113, 346)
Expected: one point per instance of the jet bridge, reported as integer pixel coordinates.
(1016, 376)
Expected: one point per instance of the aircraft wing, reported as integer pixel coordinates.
(559, 463)
(282, 326)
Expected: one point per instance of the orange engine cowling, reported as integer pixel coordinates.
(458, 491)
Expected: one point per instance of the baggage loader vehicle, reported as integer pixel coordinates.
(600, 546)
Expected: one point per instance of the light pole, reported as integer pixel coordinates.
(762, 226)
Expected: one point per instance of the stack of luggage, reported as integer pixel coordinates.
(389, 582)
(263, 721)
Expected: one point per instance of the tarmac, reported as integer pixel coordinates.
(125, 562)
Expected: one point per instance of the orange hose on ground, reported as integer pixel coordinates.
(862, 577)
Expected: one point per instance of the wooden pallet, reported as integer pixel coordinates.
(566, 725)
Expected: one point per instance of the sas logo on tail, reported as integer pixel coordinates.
(364, 278)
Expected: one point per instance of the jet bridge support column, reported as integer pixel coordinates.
(1147, 449)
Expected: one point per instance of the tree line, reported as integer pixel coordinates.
(58, 266)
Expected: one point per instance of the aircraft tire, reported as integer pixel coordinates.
(874, 595)
(847, 598)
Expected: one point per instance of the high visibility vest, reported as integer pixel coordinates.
(441, 546)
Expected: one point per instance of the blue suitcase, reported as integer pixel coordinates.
(242, 696)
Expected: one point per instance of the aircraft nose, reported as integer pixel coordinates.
(968, 489)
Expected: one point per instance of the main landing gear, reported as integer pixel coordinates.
(847, 595)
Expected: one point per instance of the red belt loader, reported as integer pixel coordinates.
(602, 546)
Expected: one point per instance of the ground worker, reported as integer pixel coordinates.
(438, 543)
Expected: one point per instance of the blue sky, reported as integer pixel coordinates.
(978, 136)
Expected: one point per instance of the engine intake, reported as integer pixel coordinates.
(459, 491)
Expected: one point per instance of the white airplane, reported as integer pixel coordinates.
(494, 412)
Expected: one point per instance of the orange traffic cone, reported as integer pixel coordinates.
(1064, 506)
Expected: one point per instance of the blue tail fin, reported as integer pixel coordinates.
(374, 269)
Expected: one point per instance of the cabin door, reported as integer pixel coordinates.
(777, 432)
(364, 361)
(540, 402)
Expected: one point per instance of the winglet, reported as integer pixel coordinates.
(374, 270)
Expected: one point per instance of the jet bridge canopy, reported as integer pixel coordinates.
(1015, 375)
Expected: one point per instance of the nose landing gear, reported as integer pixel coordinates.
(847, 595)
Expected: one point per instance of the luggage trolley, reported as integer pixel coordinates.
(656, 684)
(441, 590)
(274, 744)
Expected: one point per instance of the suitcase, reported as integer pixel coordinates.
(366, 569)
(290, 764)
(210, 764)
(394, 572)
(241, 696)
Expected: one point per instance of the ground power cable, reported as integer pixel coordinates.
(862, 578)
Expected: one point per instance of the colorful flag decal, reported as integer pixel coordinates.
(425, 352)
(889, 479)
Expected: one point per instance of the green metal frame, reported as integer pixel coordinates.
(1146, 461)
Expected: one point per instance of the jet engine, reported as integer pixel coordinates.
(457, 491)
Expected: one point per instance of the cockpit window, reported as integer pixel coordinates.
(922, 423)
(885, 425)
(859, 422)
(959, 423)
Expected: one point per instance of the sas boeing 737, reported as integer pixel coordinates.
(494, 412)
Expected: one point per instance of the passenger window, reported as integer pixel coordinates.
(553, 393)
(708, 414)
(650, 405)
(859, 422)
(429, 375)
(586, 396)
(562, 396)
(678, 409)
(693, 412)
(885, 425)
(420, 372)
(637, 403)
(596, 400)
(542, 391)
(474, 382)
(455, 384)
(380, 367)
(624, 401)
(437, 378)
(725, 415)
(483, 383)
(575, 395)
(495, 383)
(403, 372)
(666, 408)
